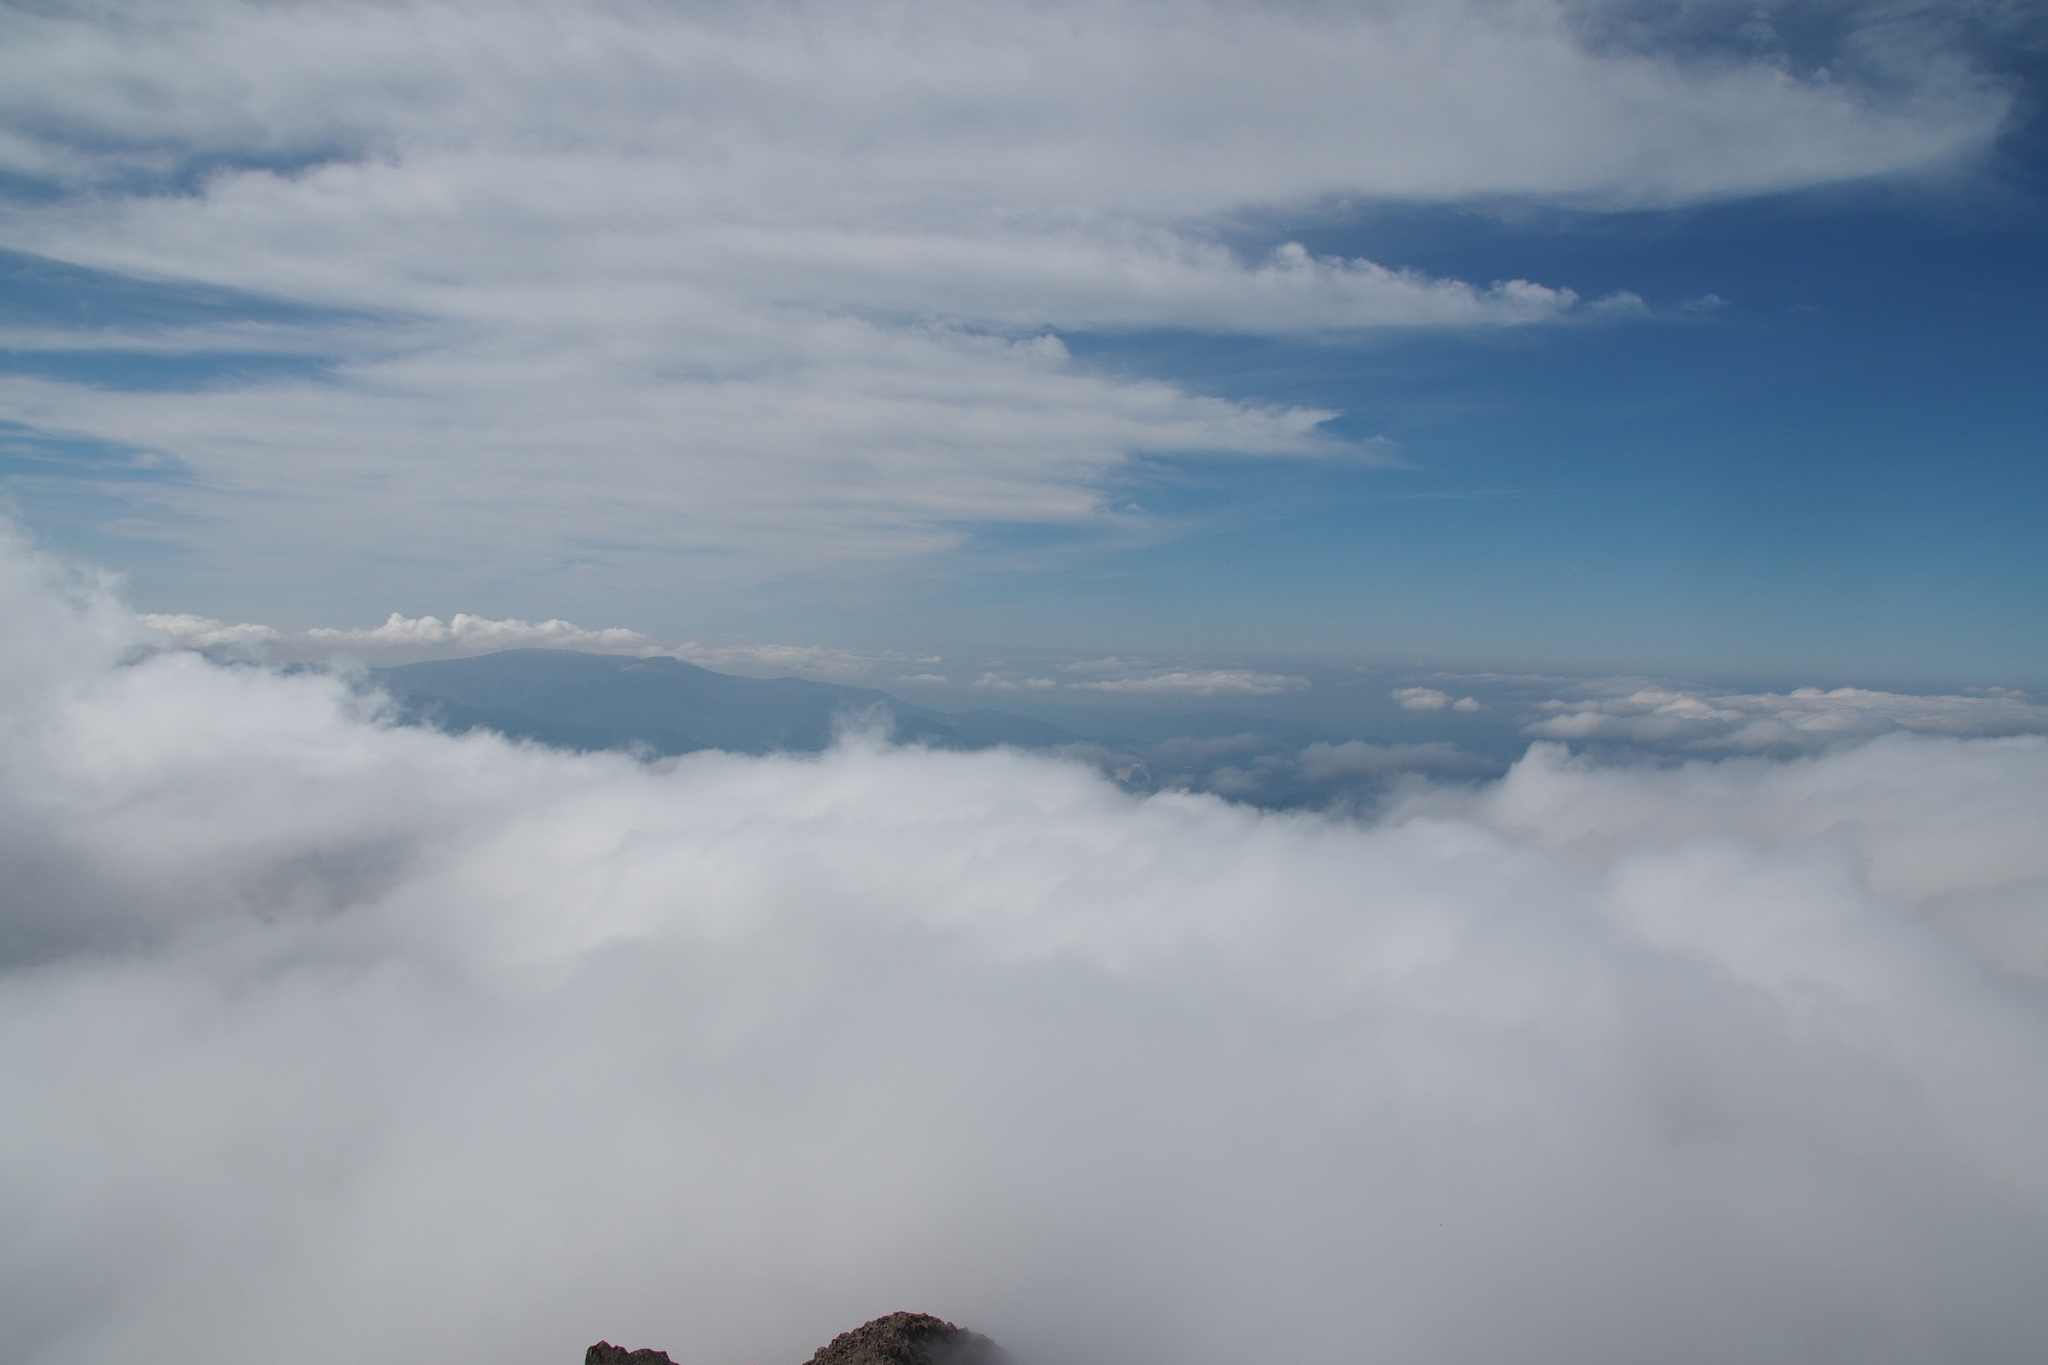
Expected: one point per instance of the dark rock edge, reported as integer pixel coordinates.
(895, 1339)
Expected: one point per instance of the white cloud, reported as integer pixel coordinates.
(1473, 99)
(402, 638)
(726, 291)
(1805, 718)
(1113, 674)
(398, 639)
(847, 444)
(1201, 682)
(203, 632)
(996, 682)
(480, 635)
(390, 1044)
(303, 340)
(814, 660)
(1421, 698)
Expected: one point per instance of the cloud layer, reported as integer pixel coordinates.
(399, 636)
(683, 293)
(1803, 719)
(385, 1044)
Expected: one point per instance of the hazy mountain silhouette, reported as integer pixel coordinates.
(665, 706)
(661, 706)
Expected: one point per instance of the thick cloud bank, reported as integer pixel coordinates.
(366, 1043)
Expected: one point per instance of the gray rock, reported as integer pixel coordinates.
(604, 1353)
(909, 1339)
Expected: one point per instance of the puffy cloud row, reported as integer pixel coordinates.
(404, 638)
(481, 634)
(187, 631)
(1805, 718)
(400, 637)
(720, 291)
(385, 1043)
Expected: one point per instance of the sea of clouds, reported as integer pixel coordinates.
(326, 1037)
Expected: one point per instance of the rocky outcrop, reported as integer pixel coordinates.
(909, 1339)
(898, 1339)
(604, 1353)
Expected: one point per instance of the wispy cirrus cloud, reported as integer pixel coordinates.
(713, 292)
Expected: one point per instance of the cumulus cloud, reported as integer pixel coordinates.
(1432, 699)
(400, 637)
(389, 1044)
(203, 632)
(1805, 718)
(722, 290)
(480, 634)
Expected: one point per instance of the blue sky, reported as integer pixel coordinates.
(1834, 471)
(812, 329)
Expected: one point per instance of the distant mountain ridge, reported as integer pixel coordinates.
(659, 707)
(664, 706)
